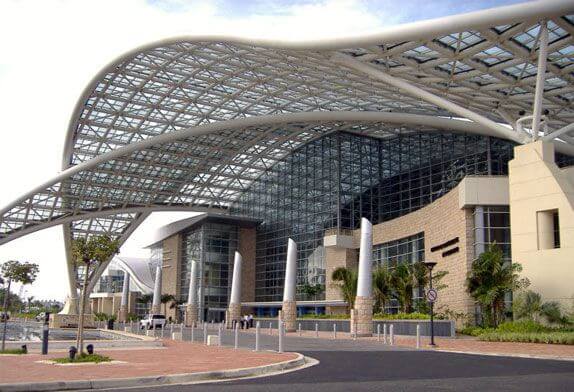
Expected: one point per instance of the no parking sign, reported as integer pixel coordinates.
(432, 295)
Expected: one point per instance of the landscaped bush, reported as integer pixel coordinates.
(84, 358)
(535, 337)
(522, 326)
(475, 331)
(325, 316)
(401, 316)
(13, 351)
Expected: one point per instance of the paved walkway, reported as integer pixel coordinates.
(175, 358)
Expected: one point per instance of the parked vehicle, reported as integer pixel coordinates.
(152, 321)
(40, 316)
(4, 316)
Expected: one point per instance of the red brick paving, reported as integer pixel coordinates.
(176, 358)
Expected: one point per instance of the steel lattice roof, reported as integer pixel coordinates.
(190, 122)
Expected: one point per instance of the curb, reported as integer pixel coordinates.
(147, 381)
(510, 355)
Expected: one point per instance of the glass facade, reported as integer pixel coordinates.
(409, 250)
(213, 246)
(492, 224)
(333, 181)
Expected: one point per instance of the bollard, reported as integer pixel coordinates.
(418, 336)
(300, 332)
(192, 332)
(316, 330)
(392, 335)
(257, 332)
(220, 334)
(334, 331)
(270, 329)
(236, 330)
(170, 330)
(378, 332)
(163, 331)
(384, 333)
(205, 333)
(280, 336)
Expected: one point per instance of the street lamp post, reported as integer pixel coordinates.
(430, 265)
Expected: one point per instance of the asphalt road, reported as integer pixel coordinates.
(361, 366)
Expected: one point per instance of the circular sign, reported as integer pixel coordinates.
(432, 295)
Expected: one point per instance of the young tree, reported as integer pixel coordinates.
(312, 290)
(347, 281)
(490, 278)
(15, 271)
(90, 253)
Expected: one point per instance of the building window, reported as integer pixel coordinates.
(492, 225)
(548, 229)
(404, 250)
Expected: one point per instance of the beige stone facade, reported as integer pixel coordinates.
(288, 315)
(191, 315)
(362, 317)
(170, 276)
(538, 189)
(233, 314)
(246, 246)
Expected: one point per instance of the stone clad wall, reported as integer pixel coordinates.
(440, 221)
(170, 283)
(247, 241)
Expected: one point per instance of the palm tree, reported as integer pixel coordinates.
(347, 282)
(527, 305)
(165, 299)
(382, 287)
(490, 278)
(403, 282)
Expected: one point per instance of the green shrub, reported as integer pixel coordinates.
(522, 326)
(535, 337)
(475, 331)
(13, 351)
(401, 316)
(325, 316)
(84, 358)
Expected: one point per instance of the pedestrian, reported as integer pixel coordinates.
(246, 319)
(250, 318)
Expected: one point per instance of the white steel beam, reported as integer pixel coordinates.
(497, 129)
(540, 77)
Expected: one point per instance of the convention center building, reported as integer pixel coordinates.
(448, 135)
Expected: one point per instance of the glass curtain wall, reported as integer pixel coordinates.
(213, 247)
(408, 250)
(335, 180)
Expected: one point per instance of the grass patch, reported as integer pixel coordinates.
(13, 351)
(529, 337)
(95, 358)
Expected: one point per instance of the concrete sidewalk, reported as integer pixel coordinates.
(175, 359)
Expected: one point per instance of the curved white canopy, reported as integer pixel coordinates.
(189, 122)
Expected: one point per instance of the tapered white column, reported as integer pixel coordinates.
(123, 313)
(289, 310)
(156, 303)
(362, 314)
(234, 310)
(191, 309)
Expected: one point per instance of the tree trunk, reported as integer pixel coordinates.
(80, 338)
(5, 310)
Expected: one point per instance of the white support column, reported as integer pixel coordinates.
(424, 95)
(191, 309)
(362, 314)
(540, 77)
(234, 311)
(289, 310)
(156, 303)
(123, 313)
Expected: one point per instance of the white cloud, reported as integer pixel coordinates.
(52, 48)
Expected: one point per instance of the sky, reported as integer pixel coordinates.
(52, 48)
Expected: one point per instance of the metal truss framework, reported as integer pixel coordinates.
(188, 123)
